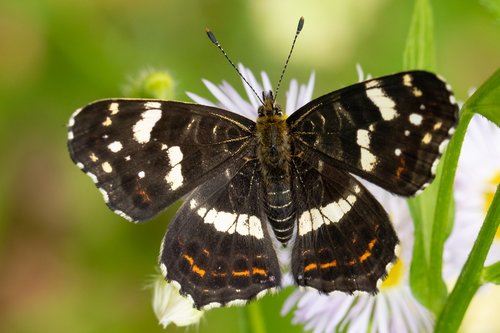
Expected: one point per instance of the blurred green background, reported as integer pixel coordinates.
(67, 263)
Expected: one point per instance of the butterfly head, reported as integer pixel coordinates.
(269, 107)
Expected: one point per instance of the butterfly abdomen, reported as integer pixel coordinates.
(274, 156)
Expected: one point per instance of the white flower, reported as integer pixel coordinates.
(478, 175)
(229, 99)
(393, 309)
(172, 308)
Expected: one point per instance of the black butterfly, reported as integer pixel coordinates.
(246, 182)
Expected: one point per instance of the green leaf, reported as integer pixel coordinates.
(472, 273)
(491, 274)
(486, 99)
(419, 52)
(431, 292)
(493, 6)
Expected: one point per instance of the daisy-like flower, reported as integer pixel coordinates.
(229, 99)
(478, 175)
(172, 308)
(393, 309)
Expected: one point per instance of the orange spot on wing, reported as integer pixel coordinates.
(199, 271)
(310, 267)
(401, 168)
(332, 263)
(372, 243)
(259, 271)
(189, 259)
(352, 262)
(365, 256)
(241, 273)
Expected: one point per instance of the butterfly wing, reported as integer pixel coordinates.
(145, 154)
(344, 237)
(217, 248)
(390, 130)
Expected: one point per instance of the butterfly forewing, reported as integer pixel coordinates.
(344, 237)
(144, 154)
(218, 248)
(389, 130)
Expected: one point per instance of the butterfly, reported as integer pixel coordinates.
(287, 178)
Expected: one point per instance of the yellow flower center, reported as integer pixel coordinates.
(489, 193)
(395, 275)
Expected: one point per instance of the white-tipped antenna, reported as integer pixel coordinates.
(299, 28)
(216, 42)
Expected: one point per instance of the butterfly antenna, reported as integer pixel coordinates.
(299, 28)
(216, 42)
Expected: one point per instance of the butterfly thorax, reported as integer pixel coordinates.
(274, 155)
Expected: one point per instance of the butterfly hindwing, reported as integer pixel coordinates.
(218, 248)
(390, 130)
(344, 237)
(145, 154)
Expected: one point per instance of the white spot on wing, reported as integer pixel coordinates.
(371, 84)
(92, 176)
(142, 129)
(175, 155)
(415, 119)
(115, 146)
(107, 122)
(141, 174)
(397, 152)
(427, 138)
(174, 177)
(416, 92)
(443, 145)
(72, 119)
(114, 108)
(453, 100)
(434, 166)
(125, 216)
(385, 104)
(368, 160)
(104, 195)
(242, 224)
(152, 105)
(363, 138)
(407, 80)
(106, 167)
(193, 204)
(314, 218)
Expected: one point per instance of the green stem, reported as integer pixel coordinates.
(255, 317)
(444, 201)
(470, 278)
